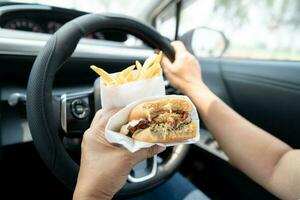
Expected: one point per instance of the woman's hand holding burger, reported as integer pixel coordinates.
(104, 168)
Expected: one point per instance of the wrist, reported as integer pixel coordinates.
(86, 195)
(202, 97)
(89, 189)
(195, 90)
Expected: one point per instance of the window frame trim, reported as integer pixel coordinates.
(178, 6)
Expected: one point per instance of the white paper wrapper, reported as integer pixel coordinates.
(122, 95)
(120, 118)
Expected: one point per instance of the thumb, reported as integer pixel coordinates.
(148, 153)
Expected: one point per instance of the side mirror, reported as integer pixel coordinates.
(205, 42)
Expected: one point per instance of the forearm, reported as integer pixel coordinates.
(251, 149)
(264, 158)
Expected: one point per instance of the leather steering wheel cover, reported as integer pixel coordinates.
(39, 106)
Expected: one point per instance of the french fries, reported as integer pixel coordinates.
(149, 61)
(139, 68)
(149, 69)
(105, 76)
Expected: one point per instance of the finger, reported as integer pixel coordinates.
(148, 153)
(105, 116)
(166, 63)
(178, 46)
(97, 116)
(156, 51)
(180, 50)
(101, 118)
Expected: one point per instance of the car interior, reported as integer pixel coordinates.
(249, 54)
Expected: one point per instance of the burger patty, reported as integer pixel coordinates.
(143, 124)
(175, 119)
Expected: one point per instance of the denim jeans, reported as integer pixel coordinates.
(176, 188)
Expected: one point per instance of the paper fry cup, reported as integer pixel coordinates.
(122, 95)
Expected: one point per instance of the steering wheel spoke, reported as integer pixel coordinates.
(144, 170)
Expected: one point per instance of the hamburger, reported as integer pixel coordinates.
(165, 120)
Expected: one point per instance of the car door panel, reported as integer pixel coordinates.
(212, 76)
(267, 94)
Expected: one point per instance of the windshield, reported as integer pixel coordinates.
(133, 8)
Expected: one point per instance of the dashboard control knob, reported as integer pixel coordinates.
(80, 109)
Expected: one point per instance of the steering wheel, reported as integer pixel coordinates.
(49, 116)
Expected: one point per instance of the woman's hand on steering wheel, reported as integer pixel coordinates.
(185, 72)
(104, 168)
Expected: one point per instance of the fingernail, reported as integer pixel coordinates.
(160, 149)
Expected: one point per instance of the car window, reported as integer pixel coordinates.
(131, 8)
(165, 21)
(266, 29)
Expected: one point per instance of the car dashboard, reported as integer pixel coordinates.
(46, 19)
